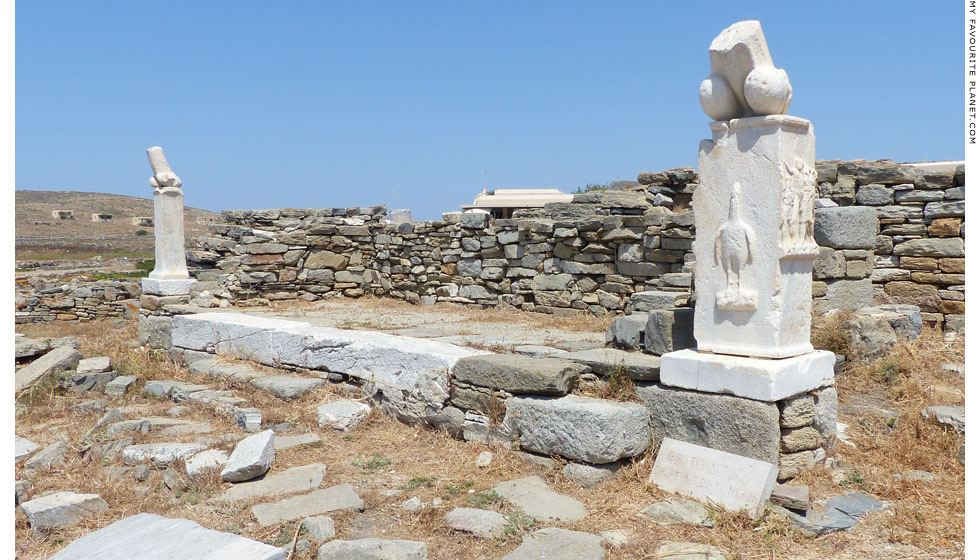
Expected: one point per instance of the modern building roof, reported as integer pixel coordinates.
(517, 198)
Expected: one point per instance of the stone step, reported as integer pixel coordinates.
(516, 373)
(608, 361)
(289, 481)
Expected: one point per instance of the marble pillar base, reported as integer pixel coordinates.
(753, 378)
(156, 287)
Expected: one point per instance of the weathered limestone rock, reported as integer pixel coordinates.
(373, 549)
(797, 411)
(841, 512)
(610, 361)
(518, 374)
(744, 427)
(627, 332)
(23, 447)
(480, 522)
(48, 457)
(118, 386)
(677, 510)
(342, 415)
(93, 365)
(335, 498)
(536, 499)
(668, 330)
(588, 476)
(289, 481)
(288, 442)
(874, 331)
(846, 227)
(947, 416)
(161, 454)
(287, 387)
(161, 538)
(22, 489)
(251, 458)
(210, 460)
(155, 331)
(581, 428)
(61, 509)
(792, 497)
(678, 550)
(319, 527)
(59, 359)
(799, 439)
(552, 542)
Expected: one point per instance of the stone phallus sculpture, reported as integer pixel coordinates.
(743, 81)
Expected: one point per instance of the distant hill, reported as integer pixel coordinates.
(43, 236)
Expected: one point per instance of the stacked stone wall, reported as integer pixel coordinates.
(888, 233)
(917, 240)
(42, 299)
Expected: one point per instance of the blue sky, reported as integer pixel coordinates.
(421, 104)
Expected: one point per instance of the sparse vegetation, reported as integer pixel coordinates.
(592, 187)
(373, 463)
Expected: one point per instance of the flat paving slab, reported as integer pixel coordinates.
(148, 536)
(533, 495)
(335, 498)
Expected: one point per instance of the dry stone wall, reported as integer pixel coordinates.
(888, 233)
(40, 299)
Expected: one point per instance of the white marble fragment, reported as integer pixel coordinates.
(252, 457)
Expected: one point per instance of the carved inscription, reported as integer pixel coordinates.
(731, 481)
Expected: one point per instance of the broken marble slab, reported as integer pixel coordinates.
(23, 447)
(728, 480)
(59, 359)
(148, 536)
(377, 357)
(288, 442)
(552, 542)
(335, 498)
(289, 481)
(252, 457)
(160, 454)
(61, 509)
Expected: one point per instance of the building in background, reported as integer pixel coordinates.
(501, 203)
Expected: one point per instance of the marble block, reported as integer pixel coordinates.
(754, 246)
(153, 286)
(731, 481)
(762, 380)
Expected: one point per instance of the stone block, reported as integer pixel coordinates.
(251, 458)
(934, 247)
(627, 332)
(846, 227)
(59, 359)
(668, 330)
(373, 549)
(336, 498)
(581, 428)
(607, 361)
(518, 374)
(61, 509)
(796, 412)
(736, 425)
(552, 542)
(764, 380)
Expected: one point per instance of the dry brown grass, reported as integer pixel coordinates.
(926, 521)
